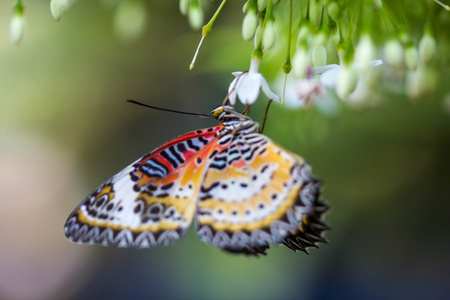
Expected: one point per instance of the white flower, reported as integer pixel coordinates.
(330, 75)
(297, 90)
(247, 85)
(308, 88)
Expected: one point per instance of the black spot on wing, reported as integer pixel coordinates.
(181, 147)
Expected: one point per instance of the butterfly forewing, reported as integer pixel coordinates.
(253, 194)
(149, 203)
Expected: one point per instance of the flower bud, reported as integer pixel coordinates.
(378, 4)
(427, 48)
(269, 36)
(17, 25)
(365, 51)
(305, 33)
(319, 55)
(56, 9)
(300, 62)
(245, 8)
(195, 16)
(261, 4)
(411, 57)
(423, 80)
(333, 10)
(184, 7)
(258, 36)
(249, 25)
(394, 52)
(346, 81)
(366, 91)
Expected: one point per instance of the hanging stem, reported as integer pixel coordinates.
(265, 116)
(287, 63)
(205, 31)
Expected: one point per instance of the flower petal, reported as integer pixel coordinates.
(266, 89)
(329, 77)
(232, 91)
(323, 69)
(376, 63)
(249, 87)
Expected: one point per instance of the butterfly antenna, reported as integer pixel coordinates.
(170, 110)
(265, 116)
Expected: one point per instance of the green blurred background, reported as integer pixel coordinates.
(65, 128)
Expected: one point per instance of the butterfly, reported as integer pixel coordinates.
(243, 191)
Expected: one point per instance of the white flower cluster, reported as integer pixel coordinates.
(349, 34)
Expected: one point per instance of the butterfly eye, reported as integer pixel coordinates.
(217, 112)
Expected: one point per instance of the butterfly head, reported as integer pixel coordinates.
(233, 120)
(226, 114)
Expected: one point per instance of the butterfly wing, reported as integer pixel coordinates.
(254, 193)
(149, 203)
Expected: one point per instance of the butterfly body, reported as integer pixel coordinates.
(243, 190)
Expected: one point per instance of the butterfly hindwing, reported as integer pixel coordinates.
(255, 193)
(149, 203)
